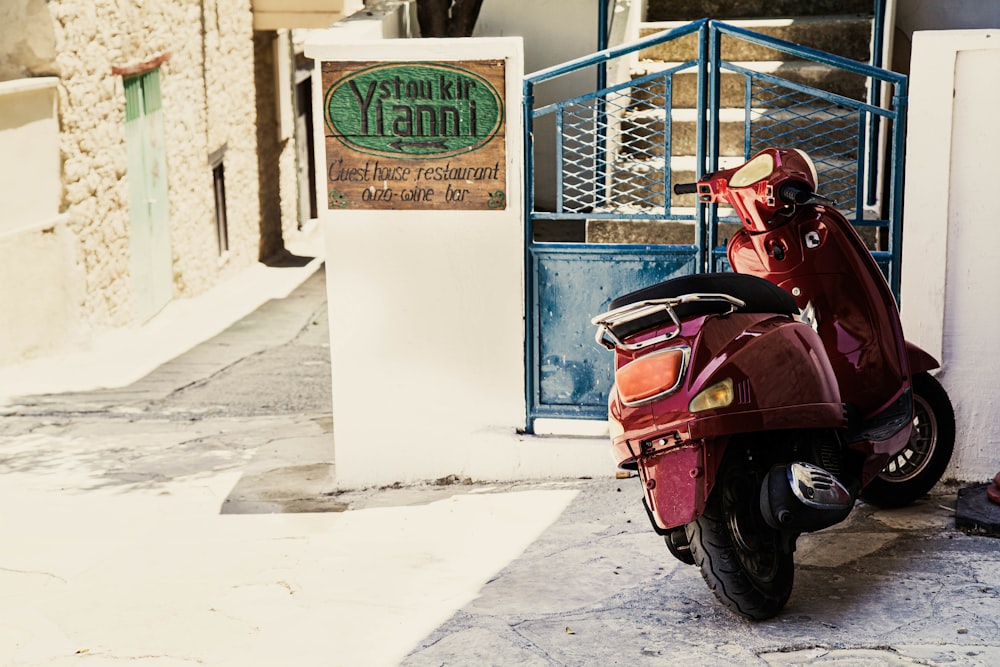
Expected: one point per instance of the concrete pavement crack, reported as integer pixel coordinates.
(33, 572)
(531, 645)
(87, 653)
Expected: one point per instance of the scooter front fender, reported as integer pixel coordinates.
(919, 359)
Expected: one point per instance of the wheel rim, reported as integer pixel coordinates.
(755, 542)
(919, 450)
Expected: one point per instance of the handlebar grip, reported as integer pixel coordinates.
(793, 193)
(685, 188)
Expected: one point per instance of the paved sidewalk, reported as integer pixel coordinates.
(185, 513)
(898, 587)
(121, 357)
(189, 517)
(116, 551)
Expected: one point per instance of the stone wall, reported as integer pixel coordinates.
(209, 107)
(205, 51)
(27, 39)
(208, 97)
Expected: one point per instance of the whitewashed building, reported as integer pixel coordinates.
(148, 151)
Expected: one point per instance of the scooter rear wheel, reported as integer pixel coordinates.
(744, 561)
(917, 468)
(677, 545)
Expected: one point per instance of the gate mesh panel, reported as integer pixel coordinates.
(626, 177)
(632, 174)
(828, 131)
(600, 163)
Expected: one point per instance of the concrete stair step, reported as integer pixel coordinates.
(637, 177)
(692, 10)
(643, 132)
(844, 35)
(656, 232)
(732, 87)
(676, 232)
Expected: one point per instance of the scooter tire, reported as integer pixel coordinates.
(917, 468)
(744, 561)
(677, 545)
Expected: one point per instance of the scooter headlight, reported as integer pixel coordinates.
(719, 395)
(651, 376)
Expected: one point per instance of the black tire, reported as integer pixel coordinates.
(917, 468)
(678, 546)
(744, 561)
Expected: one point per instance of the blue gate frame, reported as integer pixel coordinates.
(614, 152)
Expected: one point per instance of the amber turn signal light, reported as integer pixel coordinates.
(651, 376)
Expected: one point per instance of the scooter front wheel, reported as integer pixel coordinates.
(744, 561)
(917, 468)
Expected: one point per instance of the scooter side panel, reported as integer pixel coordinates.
(627, 446)
(812, 415)
(773, 362)
(819, 259)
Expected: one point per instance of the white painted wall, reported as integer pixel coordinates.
(555, 32)
(426, 308)
(30, 186)
(951, 258)
(427, 317)
(41, 285)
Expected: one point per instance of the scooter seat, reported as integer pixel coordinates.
(759, 295)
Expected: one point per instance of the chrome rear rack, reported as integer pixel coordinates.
(634, 311)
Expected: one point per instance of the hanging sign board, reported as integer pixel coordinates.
(415, 135)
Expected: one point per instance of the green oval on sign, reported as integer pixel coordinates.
(413, 110)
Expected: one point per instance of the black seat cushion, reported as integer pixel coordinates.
(759, 295)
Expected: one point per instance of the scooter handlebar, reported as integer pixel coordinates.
(790, 193)
(793, 193)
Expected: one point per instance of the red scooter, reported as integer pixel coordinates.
(760, 404)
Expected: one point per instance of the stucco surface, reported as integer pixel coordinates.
(210, 107)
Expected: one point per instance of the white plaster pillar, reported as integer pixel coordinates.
(951, 257)
(427, 314)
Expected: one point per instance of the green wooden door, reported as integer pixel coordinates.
(152, 271)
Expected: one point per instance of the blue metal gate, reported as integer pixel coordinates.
(601, 219)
